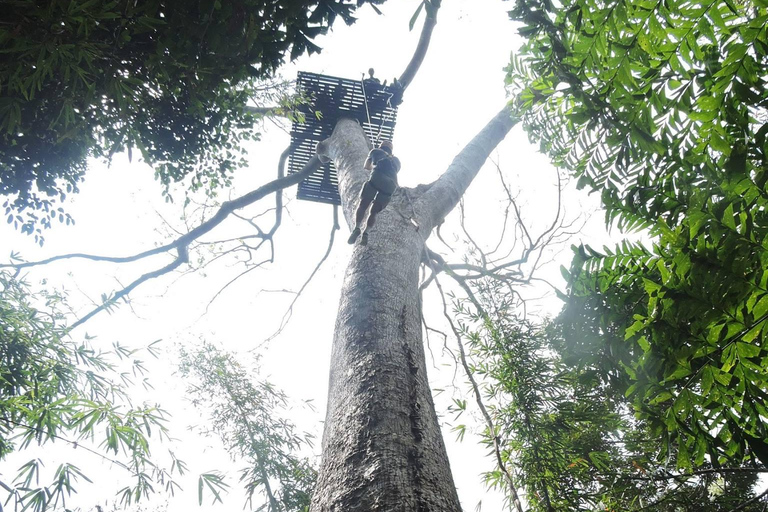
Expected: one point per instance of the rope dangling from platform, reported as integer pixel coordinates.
(367, 112)
(375, 142)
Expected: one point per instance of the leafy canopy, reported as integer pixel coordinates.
(662, 108)
(248, 416)
(89, 78)
(57, 389)
(571, 441)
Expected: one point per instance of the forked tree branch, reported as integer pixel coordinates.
(182, 243)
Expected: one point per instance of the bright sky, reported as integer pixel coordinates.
(120, 211)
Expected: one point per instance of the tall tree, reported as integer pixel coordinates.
(248, 416)
(382, 446)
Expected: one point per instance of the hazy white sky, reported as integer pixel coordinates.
(120, 211)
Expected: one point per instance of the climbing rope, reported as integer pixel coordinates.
(385, 119)
(365, 99)
(368, 113)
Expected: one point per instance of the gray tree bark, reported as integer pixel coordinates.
(382, 446)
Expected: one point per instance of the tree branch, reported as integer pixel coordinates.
(444, 194)
(181, 244)
(751, 501)
(265, 111)
(183, 257)
(183, 241)
(289, 312)
(421, 48)
(674, 476)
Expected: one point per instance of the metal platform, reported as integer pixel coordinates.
(332, 98)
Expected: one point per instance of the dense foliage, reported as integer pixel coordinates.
(662, 108)
(248, 416)
(89, 78)
(56, 389)
(571, 440)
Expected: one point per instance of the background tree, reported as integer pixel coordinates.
(661, 107)
(54, 387)
(248, 417)
(572, 440)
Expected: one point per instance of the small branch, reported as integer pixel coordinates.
(265, 111)
(427, 330)
(182, 257)
(232, 281)
(279, 194)
(431, 8)
(675, 476)
(510, 202)
(462, 217)
(751, 501)
(74, 444)
(289, 312)
(742, 506)
(478, 396)
(428, 257)
(260, 234)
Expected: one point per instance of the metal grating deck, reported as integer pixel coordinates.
(335, 98)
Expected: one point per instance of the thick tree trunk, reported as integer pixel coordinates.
(382, 446)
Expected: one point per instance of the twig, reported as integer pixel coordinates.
(445, 340)
(716, 471)
(289, 312)
(462, 218)
(230, 282)
(427, 328)
(74, 444)
(500, 174)
(183, 257)
(265, 111)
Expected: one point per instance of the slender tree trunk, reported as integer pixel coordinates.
(382, 446)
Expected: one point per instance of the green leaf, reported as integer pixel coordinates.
(661, 397)
(761, 308)
(747, 350)
(727, 219)
(683, 457)
(415, 16)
